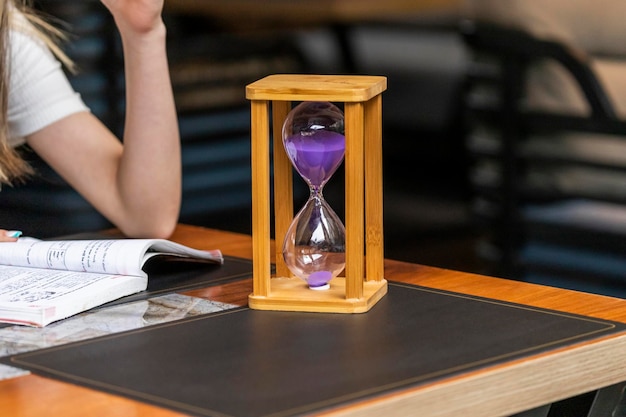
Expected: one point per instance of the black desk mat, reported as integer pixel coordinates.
(175, 275)
(259, 364)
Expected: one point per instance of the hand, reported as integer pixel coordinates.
(9, 235)
(138, 16)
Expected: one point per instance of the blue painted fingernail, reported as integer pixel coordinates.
(13, 233)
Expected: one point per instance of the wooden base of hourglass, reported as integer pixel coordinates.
(362, 284)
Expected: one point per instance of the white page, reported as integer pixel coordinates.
(28, 287)
(35, 296)
(119, 257)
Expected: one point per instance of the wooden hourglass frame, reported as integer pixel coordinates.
(362, 284)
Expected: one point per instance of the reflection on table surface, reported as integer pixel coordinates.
(100, 322)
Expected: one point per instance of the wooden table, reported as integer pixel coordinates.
(494, 391)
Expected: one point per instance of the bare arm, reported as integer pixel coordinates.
(137, 185)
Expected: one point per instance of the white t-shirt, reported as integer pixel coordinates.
(39, 92)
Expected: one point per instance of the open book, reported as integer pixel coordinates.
(45, 281)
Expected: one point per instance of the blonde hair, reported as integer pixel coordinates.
(12, 167)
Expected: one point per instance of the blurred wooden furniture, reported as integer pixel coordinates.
(548, 184)
(289, 13)
(500, 390)
(338, 15)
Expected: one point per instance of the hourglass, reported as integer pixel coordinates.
(313, 247)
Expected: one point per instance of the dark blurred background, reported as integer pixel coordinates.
(464, 156)
(426, 195)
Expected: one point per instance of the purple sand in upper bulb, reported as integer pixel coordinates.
(317, 156)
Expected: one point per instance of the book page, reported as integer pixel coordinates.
(37, 297)
(118, 257)
(28, 287)
(106, 256)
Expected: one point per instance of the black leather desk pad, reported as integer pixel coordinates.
(175, 275)
(257, 363)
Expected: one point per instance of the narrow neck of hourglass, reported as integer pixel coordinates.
(316, 191)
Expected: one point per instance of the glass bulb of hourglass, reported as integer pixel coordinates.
(314, 246)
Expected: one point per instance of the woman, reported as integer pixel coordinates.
(137, 185)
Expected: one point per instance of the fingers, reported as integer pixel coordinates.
(9, 235)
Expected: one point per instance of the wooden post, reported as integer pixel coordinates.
(355, 198)
(283, 184)
(374, 242)
(261, 267)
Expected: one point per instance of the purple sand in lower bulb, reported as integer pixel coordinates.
(319, 279)
(317, 156)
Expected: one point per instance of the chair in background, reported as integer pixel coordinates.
(549, 187)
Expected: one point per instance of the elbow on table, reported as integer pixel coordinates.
(157, 227)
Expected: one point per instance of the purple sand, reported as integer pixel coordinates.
(319, 278)
(316, 157)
